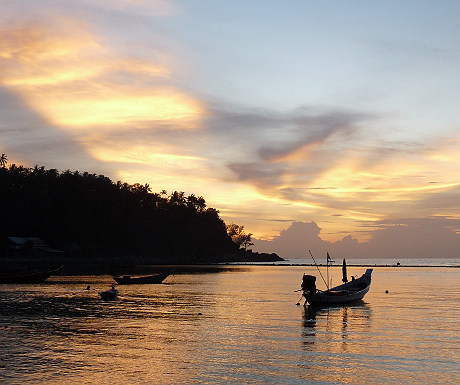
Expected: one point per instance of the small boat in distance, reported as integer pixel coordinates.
(109, 295)
(128, 280)
(27, 275)
(354, 290)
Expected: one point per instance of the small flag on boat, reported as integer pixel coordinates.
(329, 260)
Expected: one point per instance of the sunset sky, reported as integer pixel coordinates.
(283, 115)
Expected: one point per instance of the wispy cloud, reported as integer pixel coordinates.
(30, 139)
(275, 144)
(311, 131)
(66, 75)
(88, 94)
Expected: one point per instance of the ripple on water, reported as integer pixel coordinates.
(232, 327)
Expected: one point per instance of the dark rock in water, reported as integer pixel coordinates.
(250, 256)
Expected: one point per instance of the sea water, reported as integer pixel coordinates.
(237, 326)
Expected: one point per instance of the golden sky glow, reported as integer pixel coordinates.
(176, 96)
(115, 107)
(74, 83)
(141, 155)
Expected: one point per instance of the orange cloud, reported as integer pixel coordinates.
(34, 55)
(119, 106)
(74, 82)
(143, 154)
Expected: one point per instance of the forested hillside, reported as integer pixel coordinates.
(92, 215)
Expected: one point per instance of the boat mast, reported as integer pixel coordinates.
(329, 261)
(327, 285)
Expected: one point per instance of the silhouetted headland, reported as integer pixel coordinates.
(91, 224)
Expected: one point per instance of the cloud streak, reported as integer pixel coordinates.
(311, 131)
(277, 142)
(73, 81)
(31, 140)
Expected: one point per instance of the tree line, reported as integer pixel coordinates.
(80, 212)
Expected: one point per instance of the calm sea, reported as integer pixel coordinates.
(239, 326)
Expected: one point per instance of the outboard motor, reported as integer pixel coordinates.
(309, 284)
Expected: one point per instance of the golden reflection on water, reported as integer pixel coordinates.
(337, 321)
(335, 332)
(237, 326)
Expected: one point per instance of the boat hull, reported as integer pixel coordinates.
(109, 295)
(128, 280)
(27, 276)
(341, 298)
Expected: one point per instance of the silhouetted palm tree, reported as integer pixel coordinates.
(3, 160)
(177, 198)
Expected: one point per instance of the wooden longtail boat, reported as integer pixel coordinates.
(128, 280)
(25, 275)
(353, 290)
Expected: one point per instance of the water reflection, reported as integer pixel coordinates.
(67, 329)
(229, 328)
(331, 322)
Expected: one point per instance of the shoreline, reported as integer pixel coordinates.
(351, 265)
(203, 268)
